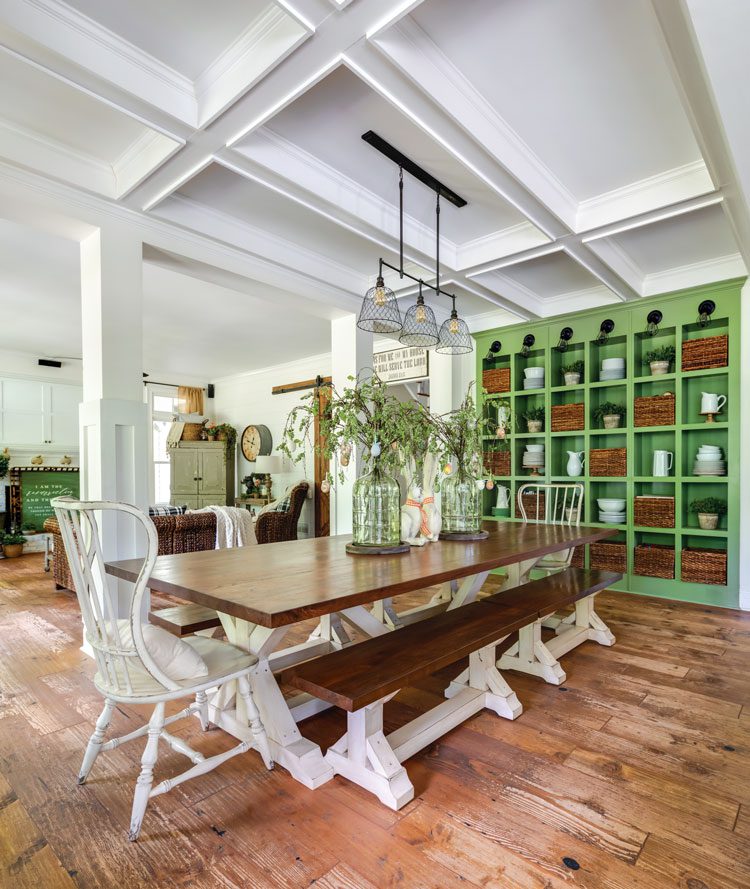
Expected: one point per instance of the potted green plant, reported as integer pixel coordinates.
(534, 417)
(572, 373)
(610, 414)
(28, 528)
(13, 545)
(708, 510)
(4, 463)
(660, 359)
(209, 429)
(225, 432)
(367, 417)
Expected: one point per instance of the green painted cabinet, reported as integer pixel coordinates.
(681, 430)
(202, 474)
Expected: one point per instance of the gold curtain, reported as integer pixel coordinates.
(189, 400)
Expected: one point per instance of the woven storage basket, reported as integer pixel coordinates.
(709, 351)
(577, 558)
(609, 462)
(529, 502)
(497, 462)
(654, 560)
(567, 417)
(192, 432)
(497, 379)
(654, 512)
(654, 410)
(704, 566)
(607, 556)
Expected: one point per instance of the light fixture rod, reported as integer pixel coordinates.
(401, 220)
(416, 280)
(437, 242)
(414, 169)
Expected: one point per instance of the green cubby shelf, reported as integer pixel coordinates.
(630, 341)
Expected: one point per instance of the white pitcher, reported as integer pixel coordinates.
(575, 463)
(712, 403)
(663, 461)
(503, 495)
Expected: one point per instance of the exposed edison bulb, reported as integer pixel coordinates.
(453, 326)
(420, 316)
(379, 297)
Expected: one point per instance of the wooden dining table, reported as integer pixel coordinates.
(260, 592)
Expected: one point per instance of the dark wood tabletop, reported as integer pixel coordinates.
(282, 583)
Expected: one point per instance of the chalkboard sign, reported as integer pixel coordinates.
(38, 488)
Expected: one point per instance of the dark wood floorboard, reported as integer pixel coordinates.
(637, 769)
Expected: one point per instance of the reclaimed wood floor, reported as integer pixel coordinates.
(634, 774)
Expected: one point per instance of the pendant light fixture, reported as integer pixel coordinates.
(380, 312)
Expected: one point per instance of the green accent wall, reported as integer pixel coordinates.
(630, 341)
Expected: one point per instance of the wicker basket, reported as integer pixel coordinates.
(192, 432)
(610, 462)
(530, 503)
(654, 410)
(707, 352)
(654, 512)
(578, 556)
(704, 566)
(497, 462)
(607, 556)
(654, 560)
(567, 417)
(497, 379)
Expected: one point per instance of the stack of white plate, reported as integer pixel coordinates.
(533, 457)
(611, 510)
(534, 378)
(612, 369)
(709, 461)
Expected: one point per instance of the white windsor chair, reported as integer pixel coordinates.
(126, 670)
(553, 504)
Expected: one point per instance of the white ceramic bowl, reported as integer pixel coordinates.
(531, 372)
(535, 449)
(609, 504)
(707, 458)
(612, 363)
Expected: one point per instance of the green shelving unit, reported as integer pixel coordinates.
(630, 340)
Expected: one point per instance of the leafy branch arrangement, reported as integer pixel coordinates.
(458, 434)
(609, 409)
(663, 353)
(709, 506)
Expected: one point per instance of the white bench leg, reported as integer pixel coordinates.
(530, 655)
(587, 626)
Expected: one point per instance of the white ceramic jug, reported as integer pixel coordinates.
(575, 463)
(711, 403)
(663, 461)
(503, 495)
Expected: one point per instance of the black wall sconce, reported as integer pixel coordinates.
(606, 327)
(705, 310)
(566, 335)
(495, 347)
(653, 320)
(528, 342)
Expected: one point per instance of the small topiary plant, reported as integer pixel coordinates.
(709, 506)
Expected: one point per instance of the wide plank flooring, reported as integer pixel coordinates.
(635, 773)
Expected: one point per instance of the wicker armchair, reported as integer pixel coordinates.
(272, 526)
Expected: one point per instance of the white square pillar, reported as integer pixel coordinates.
(351, 352)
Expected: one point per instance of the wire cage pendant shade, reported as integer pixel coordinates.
(454, 337)
(420, 327)
(379, 312)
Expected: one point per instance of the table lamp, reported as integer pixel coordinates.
(266, 466)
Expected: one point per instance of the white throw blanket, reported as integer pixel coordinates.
(234, 527)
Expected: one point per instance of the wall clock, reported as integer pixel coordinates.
(256, 441)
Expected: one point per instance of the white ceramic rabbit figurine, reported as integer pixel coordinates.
(432, 519)
(411, 511)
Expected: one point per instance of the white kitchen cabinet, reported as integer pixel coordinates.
(38, 414)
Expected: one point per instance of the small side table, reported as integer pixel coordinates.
(251, 502)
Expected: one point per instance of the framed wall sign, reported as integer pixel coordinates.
(398, 365)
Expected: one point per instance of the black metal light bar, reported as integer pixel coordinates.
(413, 278)
(416, 171)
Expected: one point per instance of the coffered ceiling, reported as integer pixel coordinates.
(582, 134)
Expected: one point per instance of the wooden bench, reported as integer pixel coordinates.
(182, 620)
(361, 678)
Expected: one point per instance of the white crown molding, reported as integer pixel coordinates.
(53, 158)
(266, 42)
(497, 245)
(74, 35)
(621, 263)
(508, 289)
(576, 300)
(146, 153)
(695, 274)
(409, 47)
(666, 188)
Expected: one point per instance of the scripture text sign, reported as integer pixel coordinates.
(395, 365)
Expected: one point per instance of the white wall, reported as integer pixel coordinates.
(245, 399)
(24, 365)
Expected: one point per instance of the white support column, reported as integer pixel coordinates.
(745, 449)
(351, 350)
(113, 416)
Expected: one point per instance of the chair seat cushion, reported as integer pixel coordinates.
(172, 655)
